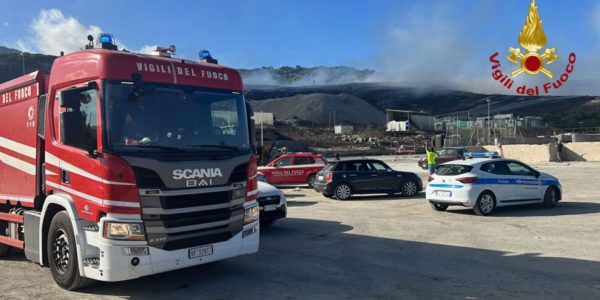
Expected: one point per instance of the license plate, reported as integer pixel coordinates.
(320, 178)
(270, 207)
(200, 251)
(444, 193)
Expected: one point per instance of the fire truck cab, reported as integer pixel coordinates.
(119, 165)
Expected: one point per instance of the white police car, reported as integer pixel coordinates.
(487, 183)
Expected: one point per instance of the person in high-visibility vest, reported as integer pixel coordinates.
(431, 159)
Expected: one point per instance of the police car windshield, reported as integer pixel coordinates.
(167, 118)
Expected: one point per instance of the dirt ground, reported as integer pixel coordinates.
(380, 247)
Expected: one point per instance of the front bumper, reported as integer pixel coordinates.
(279, 213)
(113, 265)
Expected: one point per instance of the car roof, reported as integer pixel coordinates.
(353, 160)
(475, 161)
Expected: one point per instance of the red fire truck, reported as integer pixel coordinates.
(119, 165)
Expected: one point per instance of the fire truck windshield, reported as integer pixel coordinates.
(167, 118)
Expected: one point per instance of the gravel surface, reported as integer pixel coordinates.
(380, 247)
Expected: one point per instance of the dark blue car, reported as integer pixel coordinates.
(343, 178)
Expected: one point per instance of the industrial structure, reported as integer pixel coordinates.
(406, 120)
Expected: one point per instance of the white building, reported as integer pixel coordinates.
(265, 118)
(344, 129)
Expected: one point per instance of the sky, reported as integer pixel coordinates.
(402, 40)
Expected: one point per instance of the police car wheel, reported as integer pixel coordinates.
(438, 206)
(343, 191)
(550, 197)
(485, 205)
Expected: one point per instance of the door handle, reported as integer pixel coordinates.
(64, 176)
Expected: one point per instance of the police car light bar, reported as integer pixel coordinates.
(482, 155)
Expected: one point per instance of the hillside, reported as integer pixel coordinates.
(319, 109)
(447, 102)
(304, 76)
(12, 63)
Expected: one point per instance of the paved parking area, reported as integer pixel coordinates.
(384, 247)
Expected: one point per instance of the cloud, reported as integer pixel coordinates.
(147, 49)
(52, 32)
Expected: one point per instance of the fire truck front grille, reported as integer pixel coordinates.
(181, 221)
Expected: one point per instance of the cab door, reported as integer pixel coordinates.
(303, 166)
(499, 179)
(527, 185)
(386, 179)
(280, 172)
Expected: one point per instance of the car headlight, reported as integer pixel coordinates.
(251, 214)
(124, 231)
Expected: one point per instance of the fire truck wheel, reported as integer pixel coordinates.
(4, 249)
(62, 254)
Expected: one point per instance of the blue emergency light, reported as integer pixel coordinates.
(205, 56)
(105, 38)
(106, 41)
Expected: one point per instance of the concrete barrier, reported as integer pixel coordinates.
(525, 153)
(587, 151)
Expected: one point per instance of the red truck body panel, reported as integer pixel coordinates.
(18, 112)
(103, 185)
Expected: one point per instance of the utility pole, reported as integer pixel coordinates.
(23, 55)
(334, 120)
(262, 140)
(489, 122)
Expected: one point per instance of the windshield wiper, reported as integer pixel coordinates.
(227, 147)
(169, 148)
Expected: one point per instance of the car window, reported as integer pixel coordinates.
(450, 170)
(519, 169)
(498, 168)
(451, 152)
(284, 162)
(304, 160)
(378, 166)
(332, 166)
(352, 166)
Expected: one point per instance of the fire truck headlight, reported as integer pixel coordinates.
(124, 231)
(251, 214)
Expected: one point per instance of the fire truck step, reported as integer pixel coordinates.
(11, 242)
(93, 262)
(91, 228)
(11, 217)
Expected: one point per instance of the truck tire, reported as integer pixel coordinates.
(62, 254)
(4, 250)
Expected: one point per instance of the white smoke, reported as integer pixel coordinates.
(52, 32)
